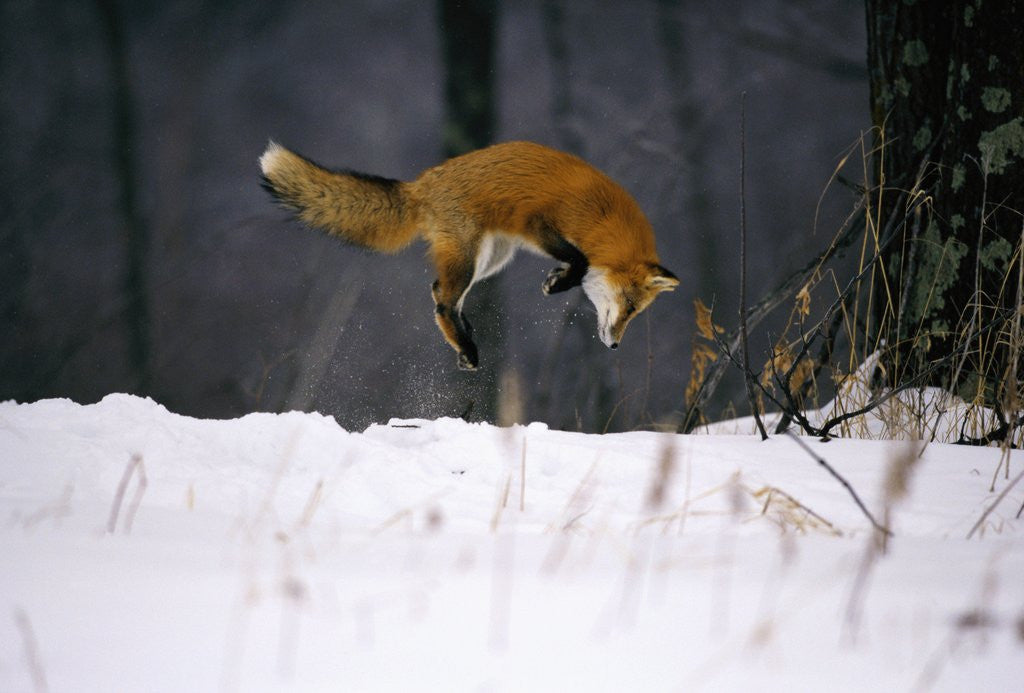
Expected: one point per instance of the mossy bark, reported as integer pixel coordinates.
(947, 102)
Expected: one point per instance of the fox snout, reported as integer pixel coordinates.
(621, 296)
(611, 330)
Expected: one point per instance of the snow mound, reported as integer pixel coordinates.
(140, 549)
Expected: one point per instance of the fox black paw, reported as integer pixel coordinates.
(551, 284)
(466, 362)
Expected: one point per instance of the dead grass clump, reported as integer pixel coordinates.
(866, 338)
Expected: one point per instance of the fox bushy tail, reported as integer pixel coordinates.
(364, 210)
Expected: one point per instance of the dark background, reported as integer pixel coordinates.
(131, 128)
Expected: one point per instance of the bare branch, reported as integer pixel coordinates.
(743, 268)
(820, 460)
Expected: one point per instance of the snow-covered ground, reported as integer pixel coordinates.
(142, 550)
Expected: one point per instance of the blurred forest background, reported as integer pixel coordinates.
(138, 252)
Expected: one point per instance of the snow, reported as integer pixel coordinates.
(281, 552)
(926, 413)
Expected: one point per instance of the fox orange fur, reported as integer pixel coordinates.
(475, 211)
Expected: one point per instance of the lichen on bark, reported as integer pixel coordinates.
(995, 99)
(915, 53)
(1002, 145)
(938, 260)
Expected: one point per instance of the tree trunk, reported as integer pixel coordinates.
(136, 240)
(569, 401)
(467, 34)
(468, 29)
(687, 112)
(947, 102)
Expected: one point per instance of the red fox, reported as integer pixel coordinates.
(475, 211)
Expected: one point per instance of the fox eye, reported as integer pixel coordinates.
(630, 307)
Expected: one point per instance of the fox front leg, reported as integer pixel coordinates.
(573, 265)
(562, 279)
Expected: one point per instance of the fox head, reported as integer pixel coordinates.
(619, 295)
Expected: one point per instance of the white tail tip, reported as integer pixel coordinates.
(271, 157)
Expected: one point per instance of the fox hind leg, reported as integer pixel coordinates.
(448, 292)
(465, 325)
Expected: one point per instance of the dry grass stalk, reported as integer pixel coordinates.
(789, 512)
(522, 477)
(30, 647)
(995, 503)
(895, 488)
(511, 407)
(575, 508)
(879, 318)
(578, 503)
(662, 473)
(56, 511)
(512, 411)
(501, 503)
(134, 466)
(733, 490)
(312, 504)
(735, 497)
(408, 513)
(897, 484)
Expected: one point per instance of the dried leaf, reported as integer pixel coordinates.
(803, 301)
(700, 357)
(781, 362)
(705, 326)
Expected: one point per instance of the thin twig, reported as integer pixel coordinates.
(820, 460)
(743, 269)
(989, 509)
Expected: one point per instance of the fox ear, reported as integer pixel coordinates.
(661, 279)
